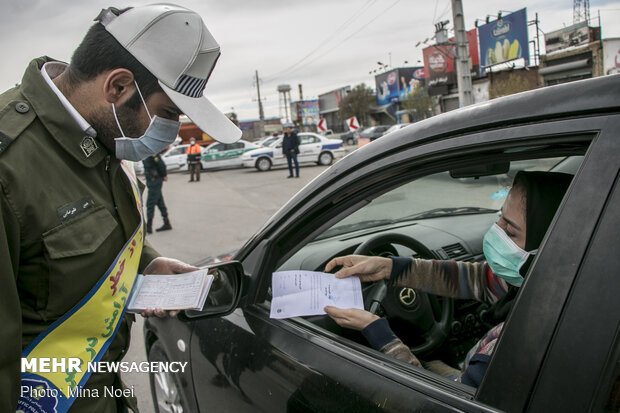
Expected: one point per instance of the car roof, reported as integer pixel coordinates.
(590, 96)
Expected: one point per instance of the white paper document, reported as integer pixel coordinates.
(170, 292)
(300, 293)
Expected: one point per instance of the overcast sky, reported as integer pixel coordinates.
(322, 44)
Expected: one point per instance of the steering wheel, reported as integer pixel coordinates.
(412, 305)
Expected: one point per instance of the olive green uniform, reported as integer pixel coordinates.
(66, 210)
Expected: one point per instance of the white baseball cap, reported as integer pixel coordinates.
(174, 44)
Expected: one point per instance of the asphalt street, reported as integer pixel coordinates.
(212, 217)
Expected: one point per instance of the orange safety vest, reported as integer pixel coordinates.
(193, 149)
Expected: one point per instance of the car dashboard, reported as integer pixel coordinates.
(448, 237)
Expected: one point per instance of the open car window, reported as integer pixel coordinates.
(449, 215)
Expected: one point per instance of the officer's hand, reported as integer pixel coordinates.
(163, 265)
(166, 178)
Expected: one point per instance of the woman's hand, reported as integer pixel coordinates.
(352, 318)
(366, 268)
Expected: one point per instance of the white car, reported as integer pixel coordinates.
(175, 159)
(225, 155)
(312, 148)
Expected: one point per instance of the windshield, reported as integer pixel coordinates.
(437, 195)
(270, 141)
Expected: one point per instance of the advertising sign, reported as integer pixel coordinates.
(504, 39)
(574, 35)
(439, 65)
(387, 87)
(611, 53)
(410, 78)
(439, 61)
(309, 112)
(352, 124)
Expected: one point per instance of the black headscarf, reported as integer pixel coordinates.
(543, 193)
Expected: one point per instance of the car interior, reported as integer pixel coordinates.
(442, 214)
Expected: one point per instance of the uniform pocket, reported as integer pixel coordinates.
(81, 235)
(78, 254)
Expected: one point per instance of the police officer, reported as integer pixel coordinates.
(69, 207)
(290, 147)
(155, 172)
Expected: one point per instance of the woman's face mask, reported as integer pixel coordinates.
(504, 256)
(160, 133)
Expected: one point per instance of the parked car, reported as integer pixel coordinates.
(396, 127)
(370, 134)
(350, 138)
(430, 190)
(312, 148)
(175, 159)
(225, 155)
(267, 141)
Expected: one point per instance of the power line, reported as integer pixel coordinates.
(329, 38)
(364, 26)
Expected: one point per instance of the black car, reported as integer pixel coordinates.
(350, 137)
(374, 132)
(430, 190)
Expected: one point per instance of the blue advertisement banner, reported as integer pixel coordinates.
(504, 39)
(387, 87)
(309, 112)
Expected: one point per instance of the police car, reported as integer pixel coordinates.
(312, 148)
(225, 155)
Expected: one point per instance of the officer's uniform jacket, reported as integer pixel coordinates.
(66, 210)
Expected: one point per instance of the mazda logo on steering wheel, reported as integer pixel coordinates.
(407, 296)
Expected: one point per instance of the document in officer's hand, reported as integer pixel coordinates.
(301, 293)
(170, 291)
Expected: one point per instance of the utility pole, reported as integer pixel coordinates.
(261, 113)
(462, 55)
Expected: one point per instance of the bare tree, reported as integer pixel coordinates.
(418, 104)
(357, 103)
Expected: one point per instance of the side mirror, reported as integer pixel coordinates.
(225, 292)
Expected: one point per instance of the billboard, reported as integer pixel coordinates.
(439, 65)
(309, 112)
(574, 35)
(409, 78)
(611, 54)
(505, 39)
(439, 61)
(395, 85)
(387, 87)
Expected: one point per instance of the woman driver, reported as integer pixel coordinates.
(508, 246)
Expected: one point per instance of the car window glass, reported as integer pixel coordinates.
(177, 151)
(306, 139)
(439, 195)
(449, 216)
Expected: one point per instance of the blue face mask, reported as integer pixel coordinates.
(504, 256)
(160, 133)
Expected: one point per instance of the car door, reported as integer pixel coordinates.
(272, 365)
(309, 148)
(176, 158)
(232, 156)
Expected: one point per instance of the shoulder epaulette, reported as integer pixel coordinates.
(15, 117)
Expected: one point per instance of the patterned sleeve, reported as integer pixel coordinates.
(449, 278)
